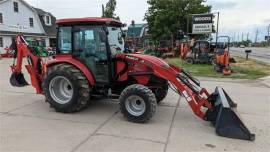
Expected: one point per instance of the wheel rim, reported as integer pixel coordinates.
(61, 90)
(189, 61)
(135, 105)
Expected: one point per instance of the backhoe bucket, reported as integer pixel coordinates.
(225, 118)
(18, 80)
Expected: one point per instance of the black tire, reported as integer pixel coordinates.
(143, 93)
(189, 61)
(81, 89)
(161, 93)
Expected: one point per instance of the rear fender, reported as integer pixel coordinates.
(76, 63)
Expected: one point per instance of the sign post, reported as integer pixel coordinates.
(217, 29)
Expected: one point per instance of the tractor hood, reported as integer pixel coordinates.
(151, 59)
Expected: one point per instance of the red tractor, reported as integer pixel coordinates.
(85, 66)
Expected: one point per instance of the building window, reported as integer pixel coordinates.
(1, 18)
(31, 22)
(47, 20)
(16, 7)
(1, 42)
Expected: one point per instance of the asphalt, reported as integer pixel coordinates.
(29, 124)
(260, 54)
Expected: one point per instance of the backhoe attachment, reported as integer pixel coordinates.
(18, 80)
(34, 66)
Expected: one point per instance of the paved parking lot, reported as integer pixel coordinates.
(29, 124)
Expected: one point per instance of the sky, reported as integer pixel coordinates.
(236, 16)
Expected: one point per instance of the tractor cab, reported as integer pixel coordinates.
(92, 41)
(201, 52)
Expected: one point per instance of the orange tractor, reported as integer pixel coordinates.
(85, 66)
(222, 59)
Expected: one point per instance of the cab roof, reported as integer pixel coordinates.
(89, 21)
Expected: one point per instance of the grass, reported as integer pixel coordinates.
(242, 69)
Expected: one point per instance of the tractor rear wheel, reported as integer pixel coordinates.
(138, 103)
(66, 89)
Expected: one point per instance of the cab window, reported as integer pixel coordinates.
(64, 40)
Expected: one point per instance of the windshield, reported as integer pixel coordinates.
(116, 40)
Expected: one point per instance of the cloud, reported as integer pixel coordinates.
(267, 21)
(223, 5)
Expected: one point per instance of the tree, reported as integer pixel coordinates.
(167, 17)
(109, 10)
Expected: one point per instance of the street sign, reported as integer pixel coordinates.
(202, 23)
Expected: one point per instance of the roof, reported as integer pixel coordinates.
(50, 30)
(2, 1)
(97, 20)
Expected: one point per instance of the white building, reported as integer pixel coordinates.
(17, 16)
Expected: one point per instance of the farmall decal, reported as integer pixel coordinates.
(202, 23)
(132, 58)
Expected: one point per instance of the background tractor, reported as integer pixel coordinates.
(222, 59)
(202, 51)
(86, 64)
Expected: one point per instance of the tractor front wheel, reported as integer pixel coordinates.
(138, 103)
(66, 88)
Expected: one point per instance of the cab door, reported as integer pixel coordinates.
(90, 50)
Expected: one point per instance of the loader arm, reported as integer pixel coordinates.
(186, 86)
(34, 65)
(216, 107)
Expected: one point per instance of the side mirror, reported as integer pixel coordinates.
(103, 36)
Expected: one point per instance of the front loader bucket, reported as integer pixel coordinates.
(17, 80)
(225, 117)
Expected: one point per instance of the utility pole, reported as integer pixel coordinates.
(217, 28)
(268, 36)
(256, 36)
(234, 39)
(247, 36)
(242, 37)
